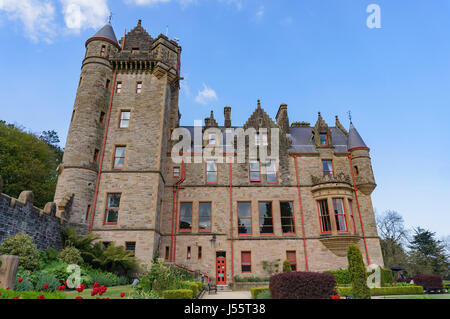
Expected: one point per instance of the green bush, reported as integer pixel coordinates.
(45, 278)
(385, 291)
(25, 285)
(103, 278)
(250, 279)
(358, 273)
(258, 290)
(21, 245)
(71, 255)
(10, 294)
(264, 295)
(122, 281)
(342, 276)
(287, 266)
(48, 255)
(178, 294)
(192, 286)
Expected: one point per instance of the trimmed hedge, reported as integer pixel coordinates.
(302, 285)
(257, 290)
(385, 291)
(342, 276)
(192, 286)
(358, 273)
(10, 294)
(178, 294)
(428, 281)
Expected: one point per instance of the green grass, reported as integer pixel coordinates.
(435, 296)
(112, 293)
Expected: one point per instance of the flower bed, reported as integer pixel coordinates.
(10, 294)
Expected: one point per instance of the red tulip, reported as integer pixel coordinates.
(335, 297)
(8, 288)
(96, 284)
(46, 286)
(122, 295)
(20, 280)
(41, 297)
(16, 298)
(0, 293)
(78, 297)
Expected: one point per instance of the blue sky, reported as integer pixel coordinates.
(313, 55)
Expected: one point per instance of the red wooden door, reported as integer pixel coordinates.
(221, 271)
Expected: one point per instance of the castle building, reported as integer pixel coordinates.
(223, 219)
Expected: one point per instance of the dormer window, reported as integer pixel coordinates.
(323, 139)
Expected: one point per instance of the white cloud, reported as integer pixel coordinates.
(146, 2)
(259, 14)
(84, 14)
(206, 95)
(36, 15)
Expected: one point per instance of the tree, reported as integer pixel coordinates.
(27, 163)
(427, 254)
(393, 238)
(21, 245)
(358, 273)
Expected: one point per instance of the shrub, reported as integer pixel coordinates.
(258, 290)
(122, 281)
(71, 255)
(25, 285)
(250, 279)
(342, 276)
(21, 245)
(302, 285)
(264, 295)
(45, 278)
(103, 278)
(358, 273)
(10, 294)
(178, 294)
(192, 286)
(385, 291)
(428, 281)
(287, 266)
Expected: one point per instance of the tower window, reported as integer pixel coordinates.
(339, 214)
(131, 246)
(102, 117)
(204, 223)
(112, 209)
(188, 253)
(139, 87)
(124, 119)
(356, 170)
(327, 166)
(292, 258)
(102, 52)
(176, 172)
(87, 212)
(200, 252)
(350, 204)
(255, 172)
(246, 262)
(244, 218)
(186, 216)
(287, 218)
(118, 87)
(166, 256)
(119, 157)
(211, 172)
(265, 218)
(108, 82)
(324, 216)
(95, 155)
(323, 139)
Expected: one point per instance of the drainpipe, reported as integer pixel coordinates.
(231, 225)
(359, 209)
(301, 212)
(103, 151)
(177, 188)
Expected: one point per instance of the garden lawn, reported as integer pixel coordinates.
(112, 293)
(433, 296)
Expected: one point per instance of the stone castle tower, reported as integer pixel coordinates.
(222, 219)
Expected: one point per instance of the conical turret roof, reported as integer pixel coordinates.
(106, 33)
(354, 139)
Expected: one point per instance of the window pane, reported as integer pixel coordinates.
(254, 166)
(265, 218)
(211, 177)
(186, 216)
(244, 209)
(119, 162)
(327, 167)
(125, 115)
(254, 176)
(324, 216)
(339, 214)
(205, 216)
(113, 200)
(287, 217)
(205, 223)
(120, 151)
(112, 216)
(244, 218)
(211, 166)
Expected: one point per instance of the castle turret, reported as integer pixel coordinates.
(361, 162)
(79, 169)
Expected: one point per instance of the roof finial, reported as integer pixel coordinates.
(139, 22)
(110, 17)
(350, 116)
(259, 103)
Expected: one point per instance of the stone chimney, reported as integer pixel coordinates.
(227, 116)
(283, 119)
(210, 121)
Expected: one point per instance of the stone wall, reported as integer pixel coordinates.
(19, 215)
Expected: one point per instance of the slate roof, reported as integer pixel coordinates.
(354, 139)
(106, 32)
